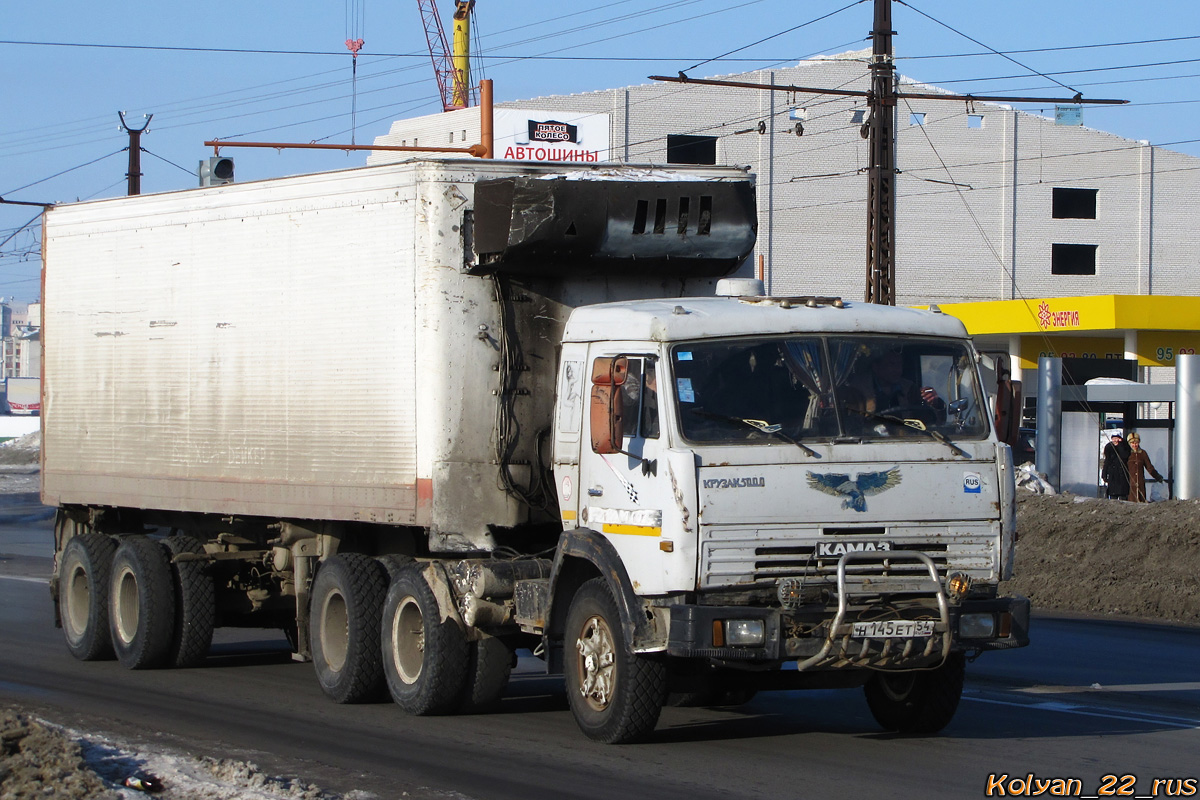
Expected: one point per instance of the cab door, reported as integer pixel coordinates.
(621, 476)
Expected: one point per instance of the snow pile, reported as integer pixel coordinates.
(23, 450)
(42, 761)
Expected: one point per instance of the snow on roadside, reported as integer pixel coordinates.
(42, 760)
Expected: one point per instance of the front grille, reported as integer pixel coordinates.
(761, 556)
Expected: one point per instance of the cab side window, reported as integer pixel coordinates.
(639, 399)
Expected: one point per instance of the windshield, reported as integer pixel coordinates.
(770, 390)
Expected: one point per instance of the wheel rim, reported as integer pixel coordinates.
(898, 687)
(79, 601)
(597, 663)
(335, 631)
(127, 608)
(408, 640)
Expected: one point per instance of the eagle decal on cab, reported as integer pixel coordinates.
(854, 493)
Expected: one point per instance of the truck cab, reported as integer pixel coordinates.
(777, 480)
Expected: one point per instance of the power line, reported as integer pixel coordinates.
(981, 44)
(1060, 49)
(775, 35)
(65, 171)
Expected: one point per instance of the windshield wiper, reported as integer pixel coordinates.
(916, 425)
(760, 425)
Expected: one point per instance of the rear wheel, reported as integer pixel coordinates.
(347, 600)
(917, 702)
(142, 604)
(195, 604)
(84, 574)
(425, 657)
(616, 695)
(489, 665)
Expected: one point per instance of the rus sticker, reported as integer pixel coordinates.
(972, 482)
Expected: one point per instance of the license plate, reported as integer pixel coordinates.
(893, 629)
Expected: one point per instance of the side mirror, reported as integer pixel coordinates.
(608, 428)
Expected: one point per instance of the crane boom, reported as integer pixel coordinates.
(451, 81)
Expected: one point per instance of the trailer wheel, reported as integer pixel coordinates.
(83, 595)
(616, 695)
(142, 604)
(424, 656)
(347, 599)
(917, 702)
(195, 604)
(489, 665)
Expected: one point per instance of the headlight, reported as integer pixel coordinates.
(977, 626)
(745, 633)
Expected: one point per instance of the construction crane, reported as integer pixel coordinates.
(453, 73)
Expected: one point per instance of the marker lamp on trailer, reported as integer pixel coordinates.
(745, 633)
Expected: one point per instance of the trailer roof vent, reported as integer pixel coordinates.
(741, 287)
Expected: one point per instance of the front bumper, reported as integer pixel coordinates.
(821, 639)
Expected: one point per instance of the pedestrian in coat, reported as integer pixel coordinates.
(1116, 470)
(1139, 464)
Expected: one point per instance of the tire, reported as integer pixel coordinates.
(83, 584)
(489, 665)
(141, 604)
(917, 702)
(425, 658)
(195, 604)
(616, 696)
(347, 600)
(393, 563)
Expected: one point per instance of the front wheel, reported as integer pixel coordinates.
(615, 694)
(917, 702)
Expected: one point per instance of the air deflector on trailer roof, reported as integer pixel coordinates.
(555, 227)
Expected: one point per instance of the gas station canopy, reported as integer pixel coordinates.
(1151, 328)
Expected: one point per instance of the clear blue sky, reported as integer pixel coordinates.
(61, 98)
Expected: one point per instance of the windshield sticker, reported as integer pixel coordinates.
(686, 395)
(972, 483)
(683, 355)
(855, 492)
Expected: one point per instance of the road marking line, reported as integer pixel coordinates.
(25, 578)
(1067, 708)
(1127, 687)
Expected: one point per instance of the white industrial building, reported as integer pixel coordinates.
(1056, 239)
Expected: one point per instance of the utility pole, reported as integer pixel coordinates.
(881, 197)
(134, 175)
(881, 131)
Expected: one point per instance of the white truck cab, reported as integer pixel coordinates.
(777, 480)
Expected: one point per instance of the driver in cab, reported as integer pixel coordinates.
(885, 389)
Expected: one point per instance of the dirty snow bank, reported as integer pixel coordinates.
(42, 761)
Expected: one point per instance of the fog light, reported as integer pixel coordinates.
(957, 586)
(790, 593)
(977, 626)
(745, 632)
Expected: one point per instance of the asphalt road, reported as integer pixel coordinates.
(1087, 699)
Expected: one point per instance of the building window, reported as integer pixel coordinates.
(1074, 203)
(916, 118)
(857, 117)
(684, 149)
(1073, 259)
(975, 121)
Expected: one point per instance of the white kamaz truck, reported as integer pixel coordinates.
(559, 428)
